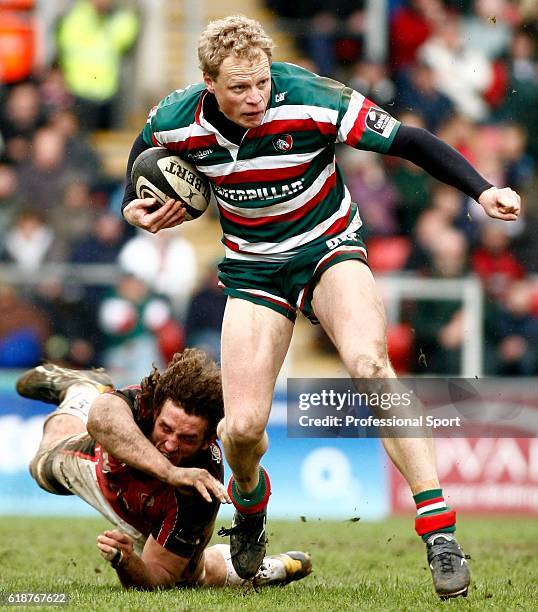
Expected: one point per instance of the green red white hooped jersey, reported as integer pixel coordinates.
(280, 188)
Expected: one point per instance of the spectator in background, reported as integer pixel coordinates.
(348, 19)
(29, 242)
(430, 224)
(78, 150)
(506, 150)
(525, 245)
(10, 200)
(521, 103)
(486, 30)
(418, 93)
(369, 184)
(21, 113)
(486, 151)
(373, 81)
(53, 91)
(519, 165)
(439, 331)
(461, 74)
(294, 17)
(448, 201)
(529, 11)
(42, 178)
(166, 262)
(204, 316)
(72, 218)
(20, 116)
(130, 319)
(411, 26)
(103, 243)
(329, 33)
(74, 338)
(493, 261)
(453, 207)
(101, 246)
(461, 133)
(517, 332)
(23, 330)
(92, 38)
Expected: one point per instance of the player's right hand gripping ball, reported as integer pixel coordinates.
(158, 174)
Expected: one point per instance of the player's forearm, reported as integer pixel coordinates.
(111, 423)
(439, 159)
(137, 574)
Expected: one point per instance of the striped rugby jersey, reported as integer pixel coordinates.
(280, 188)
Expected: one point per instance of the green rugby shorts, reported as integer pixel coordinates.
(288, 286)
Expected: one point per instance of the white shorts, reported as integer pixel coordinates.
(68, 468)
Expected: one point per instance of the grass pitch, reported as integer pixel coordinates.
(357, 566)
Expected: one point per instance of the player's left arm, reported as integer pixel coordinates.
(446, 164)
(156, 567)
(363, 125)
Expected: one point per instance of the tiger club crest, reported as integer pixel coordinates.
(283, 142)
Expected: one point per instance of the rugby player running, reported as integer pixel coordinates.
(264, 134)
(146, 458)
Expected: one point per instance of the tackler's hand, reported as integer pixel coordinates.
(200, 480)
(148, 214)
(502, 204)
(115, 547)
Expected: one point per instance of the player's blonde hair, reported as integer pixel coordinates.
(234, 35)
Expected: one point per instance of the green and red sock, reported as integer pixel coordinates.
(433, 515)
(256, 500)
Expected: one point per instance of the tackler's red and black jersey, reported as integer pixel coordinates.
(178, 521)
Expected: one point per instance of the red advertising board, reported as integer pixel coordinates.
(493, 475)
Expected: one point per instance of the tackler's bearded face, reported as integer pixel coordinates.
(242, 89)
(178, 435)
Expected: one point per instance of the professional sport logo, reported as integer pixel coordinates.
(283, 143)
(380, 122)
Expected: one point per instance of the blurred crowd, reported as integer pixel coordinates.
(58, 206)
(466, 70)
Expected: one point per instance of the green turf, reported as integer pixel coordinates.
(357, 565)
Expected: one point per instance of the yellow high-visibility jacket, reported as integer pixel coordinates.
(90, 48)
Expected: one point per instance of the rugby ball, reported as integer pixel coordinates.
(156, 173)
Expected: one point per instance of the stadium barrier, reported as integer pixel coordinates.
(394, 287)
(468, 290)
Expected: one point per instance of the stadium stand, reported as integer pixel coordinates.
(404, 209)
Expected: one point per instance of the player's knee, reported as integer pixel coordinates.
(32, 467)
(371, 366)
(35, 465)
(244, 432)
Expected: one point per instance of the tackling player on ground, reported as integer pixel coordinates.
(264, 134)
(151, 466)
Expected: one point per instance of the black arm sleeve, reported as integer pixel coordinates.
(438, 159)
(139, 145)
